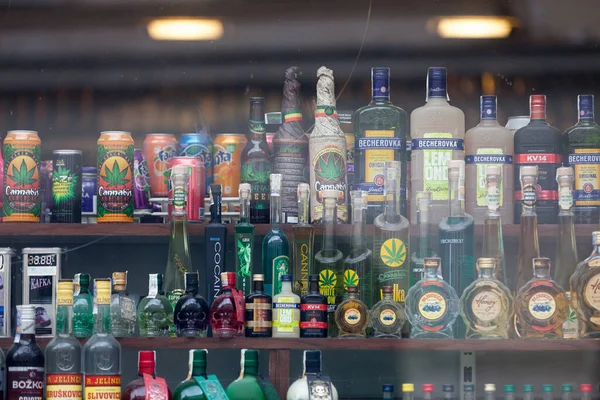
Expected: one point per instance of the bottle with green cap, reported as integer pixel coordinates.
(83, 309)
(469, 391)
(509, 392)
(548, 392)
(586, 391)
(197, 380)
(528, 392)
(567, 391)
(388, 392)
(408, 391)
(247, 386)
(489, 390)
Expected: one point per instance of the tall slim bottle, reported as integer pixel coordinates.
(244, 243)
(215, 242)
(329, 261)
(290, 146)
(63, 353)
(493, 240)
(381, 130)
(391, 261)
(583, 141)
(303, 242)
(256, 163)
(437, 130)
(487, 144)
(275, 245)
(566, 258)
(327, 151)
(529, 245)
(357, 264)
(424, 249)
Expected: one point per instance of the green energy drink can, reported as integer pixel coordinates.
(66, 186)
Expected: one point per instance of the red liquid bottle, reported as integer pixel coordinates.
(147, 386)
(228, 309)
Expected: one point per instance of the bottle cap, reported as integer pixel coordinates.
(275, 181)
(387, 289)
(228, 279)
(147, 359)
(249, 357)
(567, 387)
(84, 280)
(548, 388)
(493, 170)
(585, 387)
(436, 82)
(585, 103)
(257, 100)
(447, 388)
(258, 277)
(65, 292)
(537, 106)
(351, 289)
(408, 387)
(528, 170)
(27, 318)
(191, 279)
(427, 387)
(198, 358)
(119, 278)
(489, 387)
(509, 388)
(432, 262)
(469, 388)
(245, 189)
(286, 278)
(541, 262)
(596, 238)
(528, 388)
(487, 106)
(486, 262)
(388, 388)
(329, 194)
(102, 291)
(313, 278)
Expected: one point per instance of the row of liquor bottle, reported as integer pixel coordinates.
(381, 132)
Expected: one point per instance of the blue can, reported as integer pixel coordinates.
(199, 145)
(89, 183)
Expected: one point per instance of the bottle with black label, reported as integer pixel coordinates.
(215, 240)
(25, 361)
(259, 316)
(313, 311)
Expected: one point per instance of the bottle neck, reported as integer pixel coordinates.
(245, 210)
(358, 230)
(102, 319)
(63, 320)
(146, 369)
(256, 123)
(538, 112)
(541, 272)
(275, 210)
(387, 296)
(251, 370)
(286, 287)
(456, 200)
(198, 370)
(391, 209)
(313, 287)
(83, 289)
(430, 272)
(215, 210)
(329, 220)
(380, 86)
(259, 286)
(312, 368)
(192, 288)
(486, 272)
(302, 210)
(424, 233)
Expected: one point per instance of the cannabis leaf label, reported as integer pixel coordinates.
(64, 184)
(327, 278)
(22, 176)
(330, 167)
(350, 278)
(116, 176)
(393, 252)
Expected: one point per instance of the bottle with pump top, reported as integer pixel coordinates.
(493, 240)
(259, 314)
(312, 380)
(147, 385)
(424, 249)
(227, 310)
(313, 311)
(303, 242)
(529, 245)
(191, 315)
(244, 242)
(215, 243)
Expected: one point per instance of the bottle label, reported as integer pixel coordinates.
(542, 306)
(350, 149)
(302, 258)
(128, 309)
(528, 196)
(259, 315)
(352, 316)
(281, 266)
(391, 267)
(329, 169)
(586, 165)
(156, 388)
(115, 183)
(25, 383)
(432, 306)
(64, 386)
(483, 158)
(327, 287)
(486, 305)
(41, 290)
(591, 293)
(211, 388)
(379, 146)
(437, 148)
(319, 387)
(286, 315)
(387, 317)
(174, 295)
(313, 316)
(103, 387)
(244, 258)
(565, 198)
(571, 325)
(256, 172)
(215, 257)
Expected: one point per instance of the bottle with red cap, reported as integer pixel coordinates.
(147, 385)
(227, 310)
(541, 144)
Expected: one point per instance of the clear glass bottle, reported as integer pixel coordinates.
(259, 312)
(247, 386)
(303, 241)
(432, 305)
(586, 391)
(391, 240)
(191, 315)
(489, 391)
(275, 245)
(313, 311)
(408, 391)
(352, 315)
(529, 245)
(312, 381)
(387, 317)
(179, 261)
(123, 318)
(155, 313)
(388, 392)
(486, 305)
(493, 240)
(102, 352)
(566, 258)
(83, 309)
(286, 311)
(63, 353)
(329, 261)
(541, 305)
(585, 292)
(357, 264)
(244, 242)
(548, 392)
(509, 392)
(228, 309)
(528, 392)
(147, 385)
(424, 249)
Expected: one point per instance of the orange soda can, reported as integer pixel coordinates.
(227, 158)
(159, 148)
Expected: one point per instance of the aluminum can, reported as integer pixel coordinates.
(141, 187)
(517, 122)
(66, 186)
(21, 194)
(227, 159)
(115, 177)
(159, 148)
(199, 145)
(89, 188)
(196, 187)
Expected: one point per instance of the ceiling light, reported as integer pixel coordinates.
(484, 27)
(185, 29)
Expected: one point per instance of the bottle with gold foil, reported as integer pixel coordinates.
(63, 353)
(585, 292)
(122, 307)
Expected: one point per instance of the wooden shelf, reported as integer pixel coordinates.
(350, 344)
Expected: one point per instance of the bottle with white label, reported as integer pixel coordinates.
(486, 144)
(437, 130)
(286, 311)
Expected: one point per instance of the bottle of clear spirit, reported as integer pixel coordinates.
(424, 241)
(83, 309)
(329, 261)
(102, 353)
(357, 265)
(303, 242)
(493, 241)
(215, 243)
(387, 316)
(381, 130)
(275, 245)
(286, 311)
(486, 305)
(541, 305)
(244, 242)
(179, 261)
(391, 240)
(352, 315)
(259, 313)
(585, 292)
(313, 311)
(63, 353)
(123, 318)
(566, 258)
(191, 314)
(529, 245)
(312, 380)
(432, 305)
(155, 313)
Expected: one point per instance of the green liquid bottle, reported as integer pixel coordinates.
(247, 386)
(83, 308)
(198, 385)
(244, 243)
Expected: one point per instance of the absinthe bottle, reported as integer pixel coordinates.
(424, 249)
(244, 242)
(215, 240)
(329, 261)
(493, 241)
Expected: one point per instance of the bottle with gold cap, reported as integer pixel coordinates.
(102, 352)
(63, 353)
(122, 307)
(585, 292)
(244, 242)
(541, 305)
(486, 305)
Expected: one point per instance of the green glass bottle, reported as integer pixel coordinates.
(275, 245)
(244, 243)
(83, 308)
(191, 389)
(303, 241)
(247, 386)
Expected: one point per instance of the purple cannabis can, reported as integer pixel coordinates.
(141, 187)
(89, 182)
